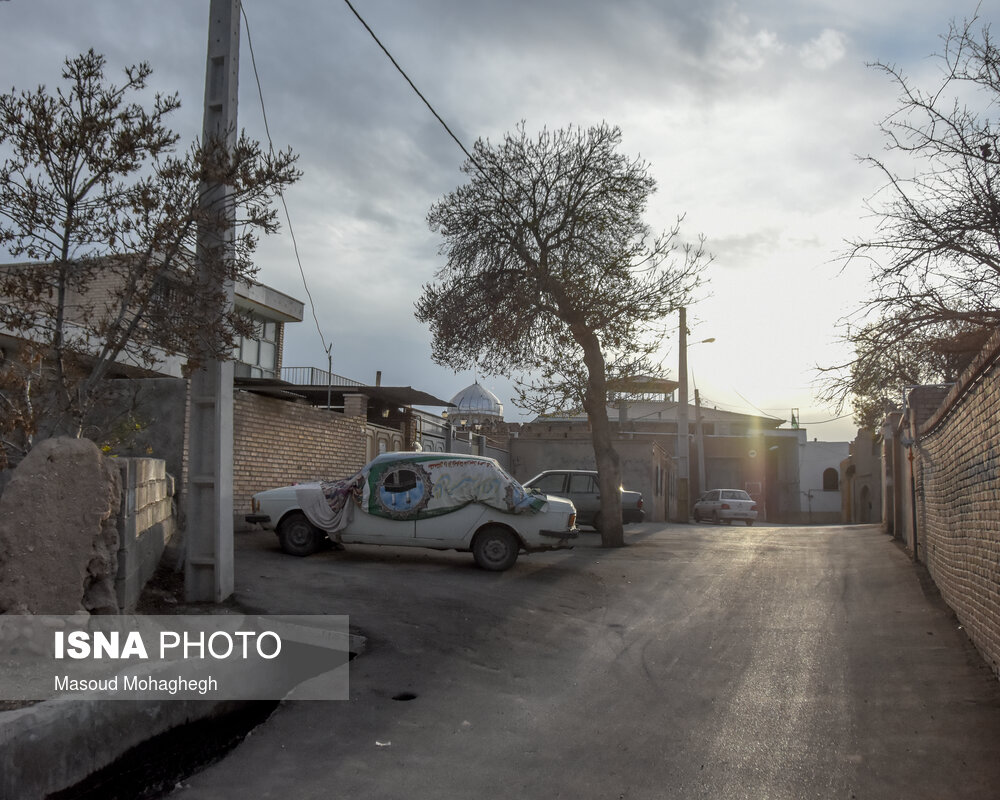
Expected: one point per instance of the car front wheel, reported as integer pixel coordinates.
(298, 536)
(495, 549)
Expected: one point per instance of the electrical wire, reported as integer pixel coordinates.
(288, 218)
(758, 410)
(728, 407)
(465, 151)
(824, 421)
(412, 84)
(472, 160)
(708, 401)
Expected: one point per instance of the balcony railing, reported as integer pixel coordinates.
(311, 376)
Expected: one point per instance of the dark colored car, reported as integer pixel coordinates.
(581, 486)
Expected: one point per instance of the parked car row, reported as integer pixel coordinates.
(442, 501)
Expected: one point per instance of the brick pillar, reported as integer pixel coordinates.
(356, 405)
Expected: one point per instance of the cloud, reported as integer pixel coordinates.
(740, 48)
(749, 112)
(824, 51)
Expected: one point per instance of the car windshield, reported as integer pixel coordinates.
(511, 478)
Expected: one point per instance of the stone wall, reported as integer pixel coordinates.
(956, 478)
(277, 442)
(59, 536)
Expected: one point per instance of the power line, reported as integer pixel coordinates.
(758, 410)
(412, 84)
(482, 171)
(730, 407)
(824, 421)
(288, 218)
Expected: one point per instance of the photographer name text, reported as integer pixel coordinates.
(134, 683)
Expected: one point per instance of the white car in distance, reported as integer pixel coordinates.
(726, 505)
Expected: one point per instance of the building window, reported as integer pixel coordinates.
(831, 480)
(259, 353)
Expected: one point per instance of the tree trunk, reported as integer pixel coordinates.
(609, 480)
(608, 468)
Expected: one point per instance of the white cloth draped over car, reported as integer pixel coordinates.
(414, 488)
(330, 505)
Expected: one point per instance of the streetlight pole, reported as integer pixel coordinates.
(683, 446)
(683, 428)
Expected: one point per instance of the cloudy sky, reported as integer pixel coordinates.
(751, 114)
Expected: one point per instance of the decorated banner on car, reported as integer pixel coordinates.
(434, 485)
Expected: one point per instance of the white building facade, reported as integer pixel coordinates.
(819, 479)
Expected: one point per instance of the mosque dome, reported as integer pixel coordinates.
(476, 405)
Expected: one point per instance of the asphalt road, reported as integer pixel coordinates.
(698, 662)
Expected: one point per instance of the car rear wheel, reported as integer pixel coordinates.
(298, 536)
(495, 548)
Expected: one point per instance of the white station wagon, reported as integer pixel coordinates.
(443, 501)
(725, 505)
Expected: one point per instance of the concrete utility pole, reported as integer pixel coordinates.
(683, 470)
(208, 575)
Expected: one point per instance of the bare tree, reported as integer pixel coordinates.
(885, 367)
(935, 255)
(551, 272)
(105, 211)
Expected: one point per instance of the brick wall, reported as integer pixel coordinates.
(276, 443)
(957, 487)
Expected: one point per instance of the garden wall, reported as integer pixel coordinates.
(277, 442)
(956, 461)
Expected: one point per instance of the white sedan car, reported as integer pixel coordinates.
(443, 501)
(725, 505)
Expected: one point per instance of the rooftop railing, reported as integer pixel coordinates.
(311, 376)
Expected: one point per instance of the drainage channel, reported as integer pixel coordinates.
(152, 769)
